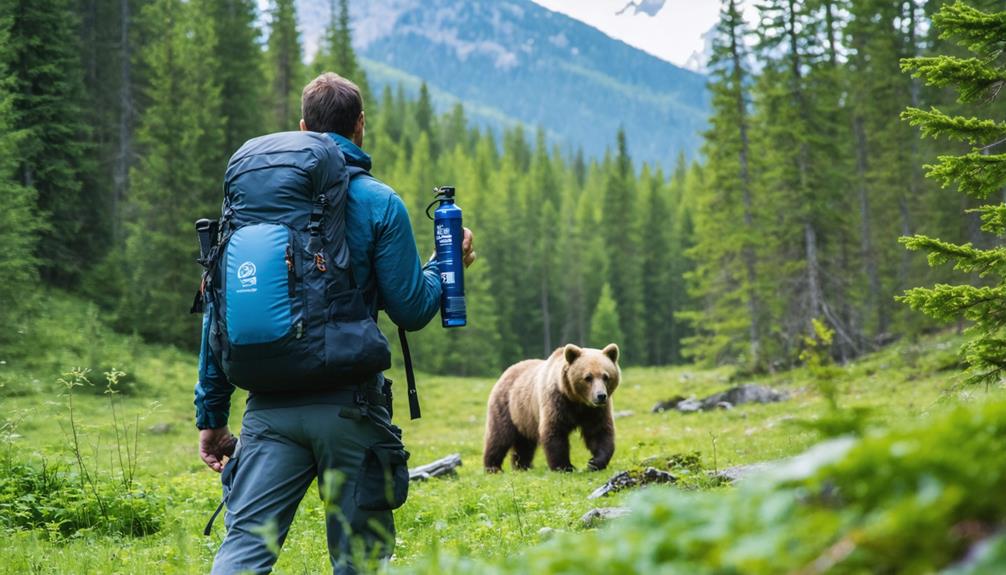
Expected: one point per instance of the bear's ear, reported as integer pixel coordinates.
(572, 352)
(611, 350)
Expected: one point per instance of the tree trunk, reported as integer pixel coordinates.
(120, 176)
(748, 253)
(869, 260)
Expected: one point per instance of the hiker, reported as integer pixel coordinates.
(288, 438)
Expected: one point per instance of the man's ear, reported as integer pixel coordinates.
(572, 352)
(303, 126)
(611, 350)
(361, 123)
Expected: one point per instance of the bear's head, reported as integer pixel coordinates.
(591, 374)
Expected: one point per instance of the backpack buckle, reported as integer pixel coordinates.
(319, 262)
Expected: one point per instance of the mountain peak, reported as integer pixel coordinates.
(649, 7)
(513, 60)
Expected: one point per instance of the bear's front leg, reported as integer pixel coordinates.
(555, 444)
(599, 437)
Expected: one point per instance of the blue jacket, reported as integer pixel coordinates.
(385, 264)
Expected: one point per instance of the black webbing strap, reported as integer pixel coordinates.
(209, 524)
(410, 376)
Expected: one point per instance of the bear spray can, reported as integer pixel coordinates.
(449, 234)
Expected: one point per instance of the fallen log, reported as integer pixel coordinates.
(446, 466)
(630, 479)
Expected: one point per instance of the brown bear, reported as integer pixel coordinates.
(543, 401)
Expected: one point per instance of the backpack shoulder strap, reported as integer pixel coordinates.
(410, 373)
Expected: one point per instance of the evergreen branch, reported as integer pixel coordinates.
(935, 124)
(976, 174)
(979, 32)
(945, 302)
(975, 79)
(966, 257)
(993, 218)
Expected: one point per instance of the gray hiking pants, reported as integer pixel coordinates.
(355, 452)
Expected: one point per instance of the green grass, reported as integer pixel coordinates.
(474, 515)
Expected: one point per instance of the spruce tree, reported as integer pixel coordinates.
(605, 326)
(43, 56)
(659, 294)
(19, 222)
(284, 70)
(621, 233)
(177, 179)
(980, 173)
(336, 52)
(726, 238)
(239, 57)
(800, 171)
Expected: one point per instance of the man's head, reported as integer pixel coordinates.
(331, 103)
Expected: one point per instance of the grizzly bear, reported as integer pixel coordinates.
(543, 401)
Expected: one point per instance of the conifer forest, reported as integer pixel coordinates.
(847, 202)
(116, 136)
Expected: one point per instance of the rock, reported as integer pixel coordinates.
(627, 479)
(546, 533)
(745, 394)
(623, 413)
(161, 428)
(669, 404)
(690, 405)
(602, 514)
(723, 400)
(738, 472)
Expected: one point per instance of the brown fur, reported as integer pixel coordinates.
(543, 401)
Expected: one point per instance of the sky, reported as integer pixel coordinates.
(674, 32)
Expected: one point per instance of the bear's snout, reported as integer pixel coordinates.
(600, 398)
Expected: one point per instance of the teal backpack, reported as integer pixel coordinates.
(285, 313)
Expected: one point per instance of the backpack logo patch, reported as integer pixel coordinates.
(246, 275)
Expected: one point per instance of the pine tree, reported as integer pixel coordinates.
(43, 56)
(622, 245)
(19, 222)
(239, 56)
(605, 326)
(659, 294)
(979, 173)
(725, 235)
(336, 52)
(541, 203)
(424, 118)
(284, 69)
(178, 176)
(800, 172)
(108, 34)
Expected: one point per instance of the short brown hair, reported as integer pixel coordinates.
(331, 103)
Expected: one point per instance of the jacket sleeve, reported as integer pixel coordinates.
(213, 391)
(410, 291)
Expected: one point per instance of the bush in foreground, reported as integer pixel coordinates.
(910, 501)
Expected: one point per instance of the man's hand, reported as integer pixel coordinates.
(214, 445)
(467, 251)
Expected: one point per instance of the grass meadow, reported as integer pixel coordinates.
(146, 431)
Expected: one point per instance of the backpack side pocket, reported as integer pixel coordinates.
(383, 483)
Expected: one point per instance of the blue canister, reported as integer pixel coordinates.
(449, 234)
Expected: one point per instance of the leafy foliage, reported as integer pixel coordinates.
(903, 502)
(977, 173)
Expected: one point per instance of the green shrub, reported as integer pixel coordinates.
(913, 501)
(55, 500)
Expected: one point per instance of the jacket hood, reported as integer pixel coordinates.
(354, 155)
